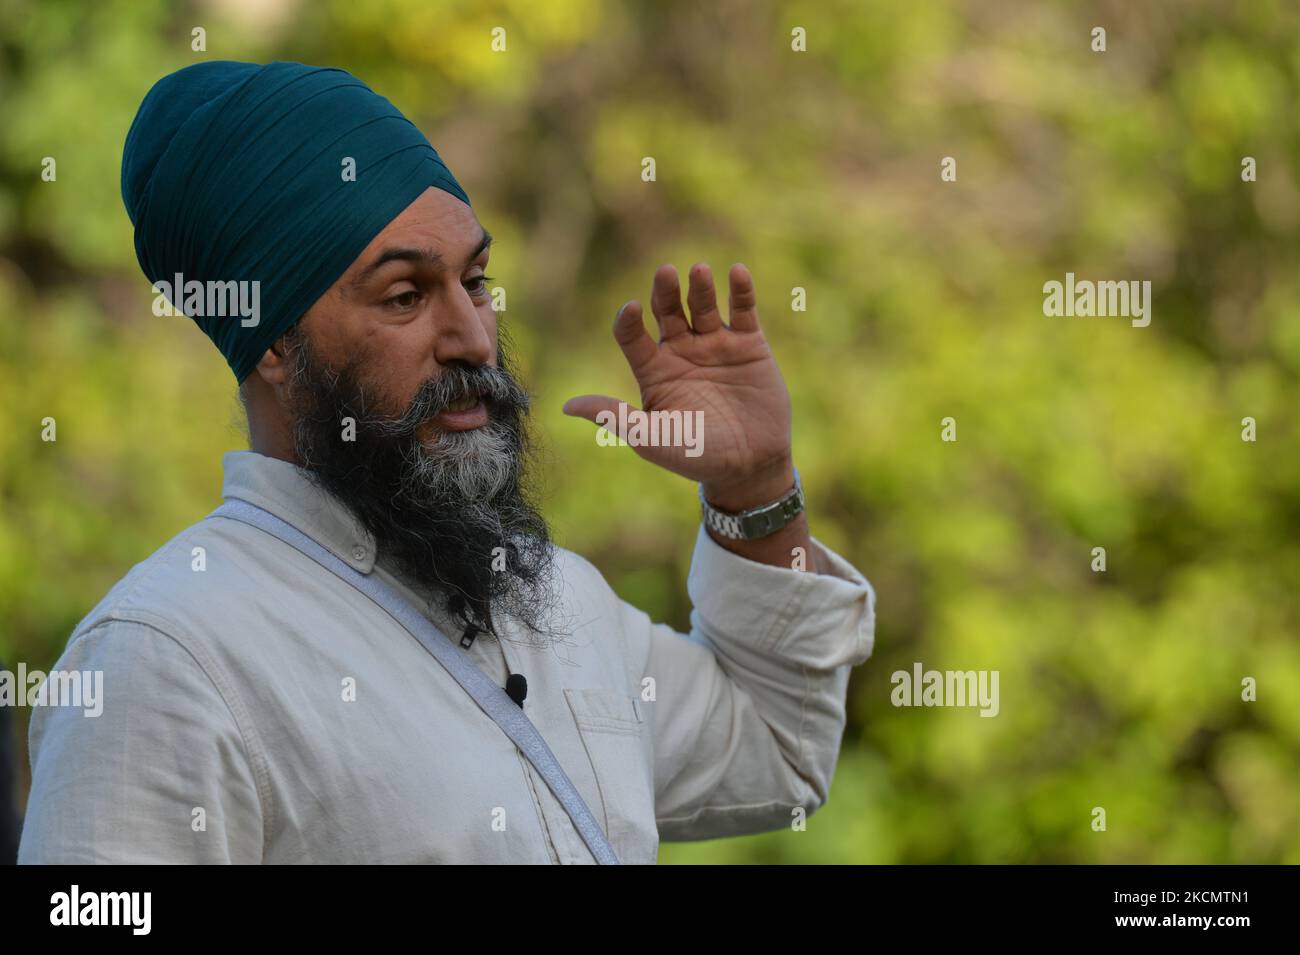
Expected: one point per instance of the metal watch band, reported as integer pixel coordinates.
(757, 521)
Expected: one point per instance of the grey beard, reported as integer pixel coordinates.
(476, 465)
(450, 515)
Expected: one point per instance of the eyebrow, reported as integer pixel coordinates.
(424, 256)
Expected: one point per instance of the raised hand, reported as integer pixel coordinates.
(726, 371)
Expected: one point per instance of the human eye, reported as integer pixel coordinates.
(403, 301)
(478, 285)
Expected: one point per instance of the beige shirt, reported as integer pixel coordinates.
(258, 709)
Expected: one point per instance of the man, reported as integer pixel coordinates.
(258, 709)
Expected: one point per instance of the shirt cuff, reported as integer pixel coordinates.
(768, 607)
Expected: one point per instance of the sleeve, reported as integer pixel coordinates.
(750, 705)
(160, 775)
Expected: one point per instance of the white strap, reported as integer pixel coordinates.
(491, 698)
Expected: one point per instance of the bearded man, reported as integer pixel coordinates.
(372, 651)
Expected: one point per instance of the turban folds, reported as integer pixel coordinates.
(238, 172)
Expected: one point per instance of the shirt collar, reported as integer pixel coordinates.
(288, 492)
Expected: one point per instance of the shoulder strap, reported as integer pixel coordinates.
(491, 698)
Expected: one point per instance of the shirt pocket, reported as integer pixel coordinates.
(612, 730)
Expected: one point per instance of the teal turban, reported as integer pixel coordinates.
(239, 173)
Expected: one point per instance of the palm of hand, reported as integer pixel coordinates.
(724, 372)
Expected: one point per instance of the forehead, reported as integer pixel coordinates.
(437, 220)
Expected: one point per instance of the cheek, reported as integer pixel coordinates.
(394, 362)
(489, 319)
(407, 367)
(331, 332)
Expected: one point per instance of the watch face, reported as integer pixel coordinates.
(759, 525)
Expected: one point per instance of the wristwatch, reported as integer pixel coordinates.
(757, 521)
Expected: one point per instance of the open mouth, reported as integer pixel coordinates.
(464, 404)
(462, 415)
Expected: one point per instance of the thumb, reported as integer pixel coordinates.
(599, 409)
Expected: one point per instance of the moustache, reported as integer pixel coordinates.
(494, 386)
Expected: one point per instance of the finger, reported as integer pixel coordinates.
(666, 303)
(601, 410)
(703, 300)
(743, 304)
(629, 331)
(614, 418)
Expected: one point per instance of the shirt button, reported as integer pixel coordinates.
(358, 553)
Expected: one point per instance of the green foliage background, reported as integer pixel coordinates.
(819, 170)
